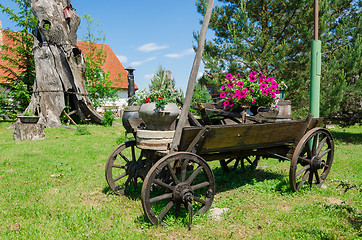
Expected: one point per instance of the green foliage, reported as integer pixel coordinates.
(19, 67)
(108, 118)
(99, 86)
(274, 37)
(82, 130)
(161, 81)
(202, 94)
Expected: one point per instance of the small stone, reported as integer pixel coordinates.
(324, 186)
(216, 213)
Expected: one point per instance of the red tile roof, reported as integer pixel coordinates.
(111, 64)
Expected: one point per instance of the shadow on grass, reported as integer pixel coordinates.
(354, 138)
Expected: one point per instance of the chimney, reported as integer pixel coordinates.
(1, 33)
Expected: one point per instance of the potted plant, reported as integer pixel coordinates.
(28, 117)
(255, 92)
(158, 108)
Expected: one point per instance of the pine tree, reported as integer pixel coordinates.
(274, 37)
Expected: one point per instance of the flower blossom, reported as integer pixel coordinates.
(223, 86)
(147, 100)
(265, 92)
(230, 84)
(240, 84)
(229, 76)
(223, 95)
(263, 86)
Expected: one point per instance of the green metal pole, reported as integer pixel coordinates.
(316, 63)
(315, 78)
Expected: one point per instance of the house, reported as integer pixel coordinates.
(118, 74)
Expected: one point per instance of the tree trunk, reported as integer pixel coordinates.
(59, 64)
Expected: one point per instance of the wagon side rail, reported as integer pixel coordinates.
(229, 138)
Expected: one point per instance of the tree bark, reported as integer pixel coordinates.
(59, 64)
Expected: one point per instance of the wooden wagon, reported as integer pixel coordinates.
(178, 182)
(184, 178)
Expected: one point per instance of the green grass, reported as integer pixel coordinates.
(55, 189)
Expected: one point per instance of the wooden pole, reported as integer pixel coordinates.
(192, 78)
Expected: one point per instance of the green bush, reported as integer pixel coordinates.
(82, 130)
(108, 118)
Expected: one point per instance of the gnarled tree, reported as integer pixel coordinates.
(59, 64)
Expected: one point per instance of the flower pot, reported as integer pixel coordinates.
(129, 113)
(29, 119)
(158, 118)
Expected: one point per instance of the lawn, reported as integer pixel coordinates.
(56, 189)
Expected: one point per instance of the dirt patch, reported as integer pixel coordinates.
(94, 198)
(333, 200)
(10, 171)
(14, 227)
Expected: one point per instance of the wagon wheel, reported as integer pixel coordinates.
(312, 159)
(231, 164)
(122, 167)
(176, 180)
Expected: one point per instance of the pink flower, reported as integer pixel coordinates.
(273, 87)
(265, 92)
(223, 95)
(229, 76)
(272, 94)
(263, 86)
(274, 83)
(253, 73)
(223, 86)
(269, 79)
(226, 103)
(252, 78)
(240, 84)
(230, 84)
(253, 101)
(239, 75)
(252, 89)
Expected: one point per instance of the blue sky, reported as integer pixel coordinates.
(144, 34)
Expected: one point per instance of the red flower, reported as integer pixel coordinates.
(147, 100)
(161, 98)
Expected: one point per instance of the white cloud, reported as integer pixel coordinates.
(149, 47)
(137, 63)
(122, 59)
(179, 55)
(149, 76)
(200, 74)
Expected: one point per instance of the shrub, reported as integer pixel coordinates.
(108, 118)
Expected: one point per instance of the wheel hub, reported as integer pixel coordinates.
(318, 163)
(183, 193)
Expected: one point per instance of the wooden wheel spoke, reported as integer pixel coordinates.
(305, 176)
(184, 170)
(322, 154)
(229, 161)
(133, 153)
(161, 197)
(118, 166)
(303, 159)
(194, 175)
(321, 143)
(317, 178)
(119, 177)
(236, 163)
(203, 202)
(247, 159)
(200, 185)
(173, 175)
(140, 157)
(310, 179)
(162, 184)
(305, 168)
(309, 152)
(314, 146)
(124, 157)
(165, 211)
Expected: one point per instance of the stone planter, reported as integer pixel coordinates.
(29, 119)
(156, 118)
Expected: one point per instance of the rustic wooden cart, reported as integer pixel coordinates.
(178, 182)
(184, 178)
